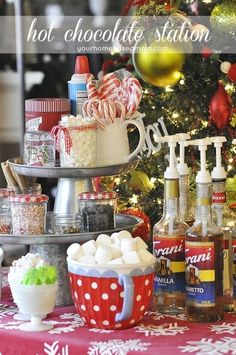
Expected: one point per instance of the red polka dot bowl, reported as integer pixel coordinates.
(111, 298)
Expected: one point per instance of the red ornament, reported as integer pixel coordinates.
(232, 73)
(221, 107)
(143, 230)
(206, 52)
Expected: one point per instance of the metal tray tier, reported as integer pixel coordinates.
(80, 173)
(122, 222)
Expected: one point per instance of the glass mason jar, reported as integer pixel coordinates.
(5, 212)
(76, 144)
(66, 223)
(39, 148)
(29, 214)
(98, 210)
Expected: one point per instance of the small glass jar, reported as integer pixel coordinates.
(66, 223)
(39, 148)
(29, 214)
(76, 142)
(98, 210)
(5, 212)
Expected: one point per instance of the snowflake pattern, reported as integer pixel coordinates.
(207, 346)
(116, 347)
(71, 321)
(101, 331)
(224, 328)
(180, 316)
(7, 310)
(155, 315)
(163, 329)
(54, 349)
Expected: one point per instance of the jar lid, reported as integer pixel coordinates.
(47, 105)
(97, 195)
(4, 192)
(29, 198)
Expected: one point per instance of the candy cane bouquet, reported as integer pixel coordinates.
(117, 97)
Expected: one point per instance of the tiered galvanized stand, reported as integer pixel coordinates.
(71, 181)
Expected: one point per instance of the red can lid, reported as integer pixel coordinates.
(29, 198)
(47, 105)
(97, 195)
(4, 192)
(82, 65)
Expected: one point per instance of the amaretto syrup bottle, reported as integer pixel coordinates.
(168, 244)
(204, 253)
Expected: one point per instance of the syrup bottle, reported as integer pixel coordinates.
(182, 167)
(168, 244)
(224, 218)
(204, 253)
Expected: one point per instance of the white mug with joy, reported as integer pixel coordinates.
(113, 142)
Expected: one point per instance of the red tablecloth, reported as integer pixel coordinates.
(156, 334)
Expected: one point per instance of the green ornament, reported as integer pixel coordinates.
(223, 17)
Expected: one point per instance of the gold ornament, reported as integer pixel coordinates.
(159, 64)
(223, 17)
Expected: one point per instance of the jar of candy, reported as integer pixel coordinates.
(98, 210)
(66, 223)
(28, 214)
(39, 148)
(76, 141)
(5, 213)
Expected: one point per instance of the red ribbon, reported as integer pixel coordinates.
(56, 133)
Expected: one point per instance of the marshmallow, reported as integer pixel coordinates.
(128, 245)
(131, 258)
(116, 253)
(87, 259)
(141, 243)
(116, 261)
(75, 251)
(89, 248)
(122, 235)
(103, 254)
(145, 256)
(113, 236)
(103, 239)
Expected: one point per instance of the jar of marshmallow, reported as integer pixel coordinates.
(76, 141)
(98, 210)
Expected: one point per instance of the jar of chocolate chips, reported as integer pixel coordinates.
(98, 210)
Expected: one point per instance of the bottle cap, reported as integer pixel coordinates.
(82, 65)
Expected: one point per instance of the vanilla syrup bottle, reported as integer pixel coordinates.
(168, 245)
(204, 253)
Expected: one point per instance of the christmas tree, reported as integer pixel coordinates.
(199, 101)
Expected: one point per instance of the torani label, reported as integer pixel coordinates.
(200, 274)
(170, 275)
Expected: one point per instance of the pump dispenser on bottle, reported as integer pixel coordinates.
(77, 86)
(204, 252)
(182, 167)
(168, 243)
(224, 218)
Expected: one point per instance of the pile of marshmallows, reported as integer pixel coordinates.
(119, 248)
